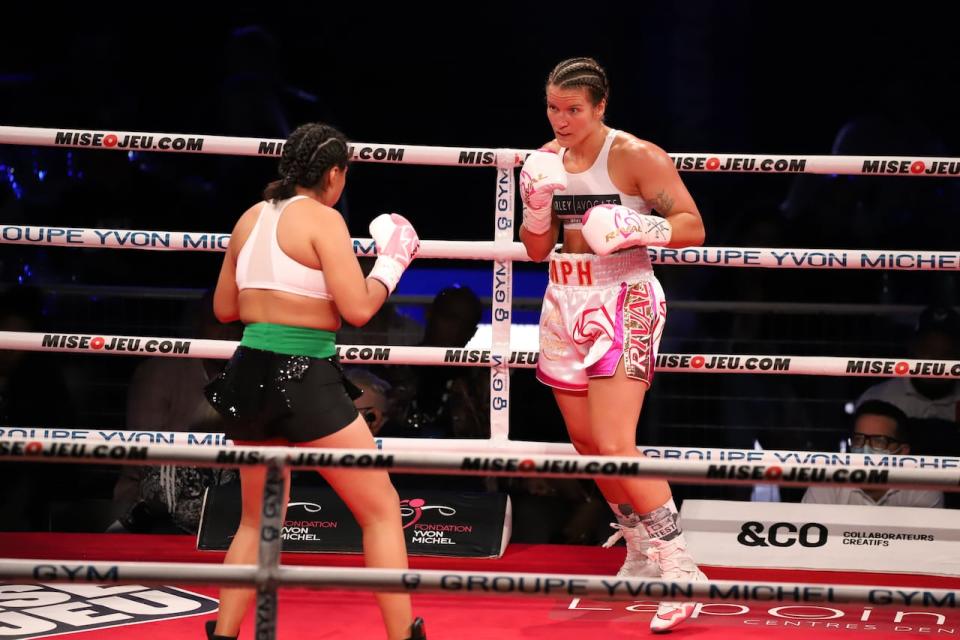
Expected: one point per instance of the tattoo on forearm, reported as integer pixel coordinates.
(663, 203)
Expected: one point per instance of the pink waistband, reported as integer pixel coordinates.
(591, 270)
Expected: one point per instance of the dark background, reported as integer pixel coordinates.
(694, 76)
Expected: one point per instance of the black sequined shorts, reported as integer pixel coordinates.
(265, 396)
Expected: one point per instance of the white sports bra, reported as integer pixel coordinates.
(592, 187)
(262, 264)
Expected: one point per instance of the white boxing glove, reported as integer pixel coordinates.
(541, 175)
(611, 227)
(397, 245)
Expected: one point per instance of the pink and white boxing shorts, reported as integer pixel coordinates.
(597, 310)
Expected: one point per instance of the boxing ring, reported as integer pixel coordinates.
(569, 588)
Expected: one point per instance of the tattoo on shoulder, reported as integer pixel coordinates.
(663, 203)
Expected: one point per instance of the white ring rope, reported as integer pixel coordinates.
(472, 157)
(467, 583)
(502, 446)
(483, 464)
(836, 366)
(770, 258)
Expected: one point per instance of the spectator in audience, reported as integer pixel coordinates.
(166, 394)
(374, 403)
(33, 393)
(388, 326)
(879, 429)
(937, 337)
(443, 401)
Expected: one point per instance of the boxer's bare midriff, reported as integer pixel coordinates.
(279, 307)
(573, 242)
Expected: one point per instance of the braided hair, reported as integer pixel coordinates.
(308, 154)
(581, 72)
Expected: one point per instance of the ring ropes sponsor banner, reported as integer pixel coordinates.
(472, 157)
(823, 536)
(460, 463)
(435, 522)
(499, 250)
(487, 445)
(687, 363)
(480, 583)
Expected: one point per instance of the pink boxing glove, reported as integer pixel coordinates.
(611, 227)
(397, 245)
(541, 175)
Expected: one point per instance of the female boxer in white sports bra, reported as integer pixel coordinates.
(290, 274)
(604, 311)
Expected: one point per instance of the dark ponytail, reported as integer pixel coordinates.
(308, 154)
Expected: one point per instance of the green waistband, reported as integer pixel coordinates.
(292, 341)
